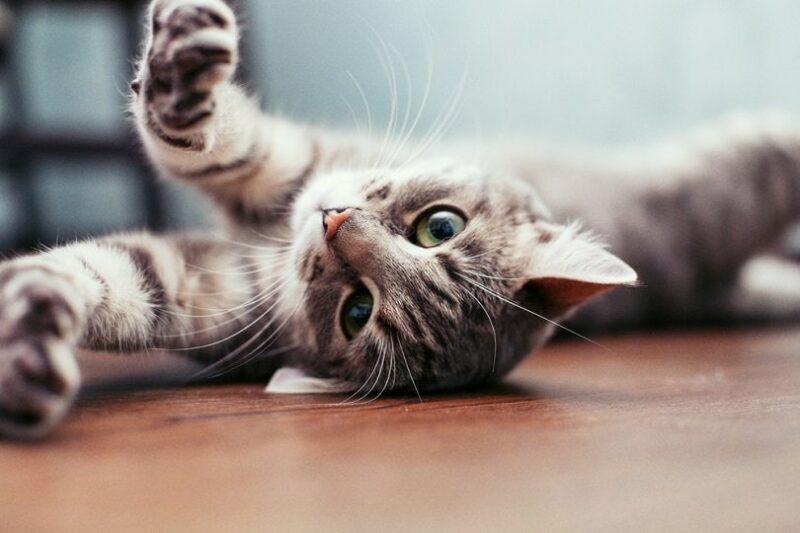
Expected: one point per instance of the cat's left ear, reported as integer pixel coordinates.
(568, 268)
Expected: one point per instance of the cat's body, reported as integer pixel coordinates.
(365, 261)
(686, 215)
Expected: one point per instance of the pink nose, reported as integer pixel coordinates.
(332, 220)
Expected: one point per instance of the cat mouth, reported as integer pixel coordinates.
(320, 259)
(312, 268)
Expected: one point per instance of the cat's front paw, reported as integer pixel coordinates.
(38, 382)
(193, 49)
(39, 376)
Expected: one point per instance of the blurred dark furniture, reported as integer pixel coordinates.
(20, 147)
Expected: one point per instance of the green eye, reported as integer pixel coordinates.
(356, 312)
(438, 225)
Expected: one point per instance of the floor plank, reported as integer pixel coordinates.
(690, 431)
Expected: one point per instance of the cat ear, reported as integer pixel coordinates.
(569, 268)
(288, 380)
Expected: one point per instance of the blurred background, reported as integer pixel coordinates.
(577, 71)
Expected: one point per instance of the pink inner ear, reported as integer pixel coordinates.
(563, 294)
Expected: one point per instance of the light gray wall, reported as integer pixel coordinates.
(573, 70)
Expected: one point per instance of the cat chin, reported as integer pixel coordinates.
(332, 190)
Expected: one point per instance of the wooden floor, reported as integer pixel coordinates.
(669, 432)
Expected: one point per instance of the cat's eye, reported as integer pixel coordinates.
(436, 226)
(356, 312)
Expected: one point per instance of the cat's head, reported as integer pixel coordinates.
(432, 276)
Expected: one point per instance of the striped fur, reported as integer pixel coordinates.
(270, 288)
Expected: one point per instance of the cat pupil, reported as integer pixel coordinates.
(360, 314)
(436, 227)
(441, 226)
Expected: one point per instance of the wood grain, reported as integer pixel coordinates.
(667, 432)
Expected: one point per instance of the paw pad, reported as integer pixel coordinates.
(194, 49)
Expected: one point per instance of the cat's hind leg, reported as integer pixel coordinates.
(719, 199)
(767, 290)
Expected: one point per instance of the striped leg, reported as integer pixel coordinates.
(200, 128)
(123, 293)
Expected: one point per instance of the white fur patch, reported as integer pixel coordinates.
(289, 380)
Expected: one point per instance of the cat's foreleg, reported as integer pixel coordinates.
(198, 126)
(121, 293)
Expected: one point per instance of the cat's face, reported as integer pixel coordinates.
(424, 282)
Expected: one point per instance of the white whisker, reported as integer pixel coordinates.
(271, 238)
(443, 121)
(382, 51)
(254, 352)
(366, 382)
(403, 141)
(408, 369)
(364, 101)
(537, 315)
(491, 323)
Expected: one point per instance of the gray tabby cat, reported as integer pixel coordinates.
(365, 262)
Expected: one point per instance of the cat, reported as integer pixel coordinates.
(369, 262)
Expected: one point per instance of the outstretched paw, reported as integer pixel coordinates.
(39, 376)
(38, 381)
(193, 49)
